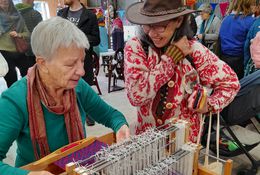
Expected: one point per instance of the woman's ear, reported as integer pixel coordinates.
(179, 21)
(42, 64)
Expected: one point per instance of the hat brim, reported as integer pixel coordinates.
(133, 15)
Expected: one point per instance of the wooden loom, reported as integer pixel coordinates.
(47, 163)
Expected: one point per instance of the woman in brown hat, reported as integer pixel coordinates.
(166, 70)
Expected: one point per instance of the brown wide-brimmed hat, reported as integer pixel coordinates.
(154, 11)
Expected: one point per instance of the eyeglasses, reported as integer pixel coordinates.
(160, 28)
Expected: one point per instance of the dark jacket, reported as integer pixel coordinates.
(88, 24)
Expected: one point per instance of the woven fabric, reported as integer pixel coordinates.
(81, 154)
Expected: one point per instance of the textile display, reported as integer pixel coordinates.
(103, 46)
(100, 16)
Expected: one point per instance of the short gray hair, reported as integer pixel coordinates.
(53, 33)
(205, 7)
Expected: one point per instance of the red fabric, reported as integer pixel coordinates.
(223, 7)
(190, 2)
(117, 23)
(82, 154)
(37, 94)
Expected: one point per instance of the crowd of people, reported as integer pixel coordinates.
(173, 68)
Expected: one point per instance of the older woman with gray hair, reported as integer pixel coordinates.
(47, 109)
(209, 30)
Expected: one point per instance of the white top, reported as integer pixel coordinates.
(3, 66)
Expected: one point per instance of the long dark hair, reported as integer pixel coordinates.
(184, 30)
(11, 19)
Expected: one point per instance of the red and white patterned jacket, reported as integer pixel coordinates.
(146, 74)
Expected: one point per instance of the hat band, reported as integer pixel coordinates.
(164, 12)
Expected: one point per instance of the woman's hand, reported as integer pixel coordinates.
(123, 133)
(184, 45)
(13, 34)
(199, 36)
(40, 173)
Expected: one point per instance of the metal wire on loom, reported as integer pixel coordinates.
(153, 152)
(173, 165)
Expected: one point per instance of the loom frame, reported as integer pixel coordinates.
(47, 163)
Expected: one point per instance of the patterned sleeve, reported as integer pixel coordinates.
(217, 75)
(144, 74)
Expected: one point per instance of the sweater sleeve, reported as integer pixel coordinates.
(145, 74)
(216, 75)
(25, 33)
(10, 127)
(99, 110)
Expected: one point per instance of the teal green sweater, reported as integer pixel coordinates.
(14, 123)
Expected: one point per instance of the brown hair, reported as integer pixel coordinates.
(244, 7)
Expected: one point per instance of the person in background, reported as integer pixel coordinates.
(12, 25)
(254, 29)
(199, 21)
(209, 29)
(118, 34)
(47, 109)
(87, 22)
(256, 9)
(193, 23)
(233, 32)
(248, 61)
(166, 69)
(255, 50)
(32, 18)
(230, 7)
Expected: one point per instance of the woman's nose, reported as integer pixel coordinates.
(80, 69)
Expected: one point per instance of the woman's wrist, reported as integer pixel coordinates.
(175, 53)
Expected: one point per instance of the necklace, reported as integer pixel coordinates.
(76, 9)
